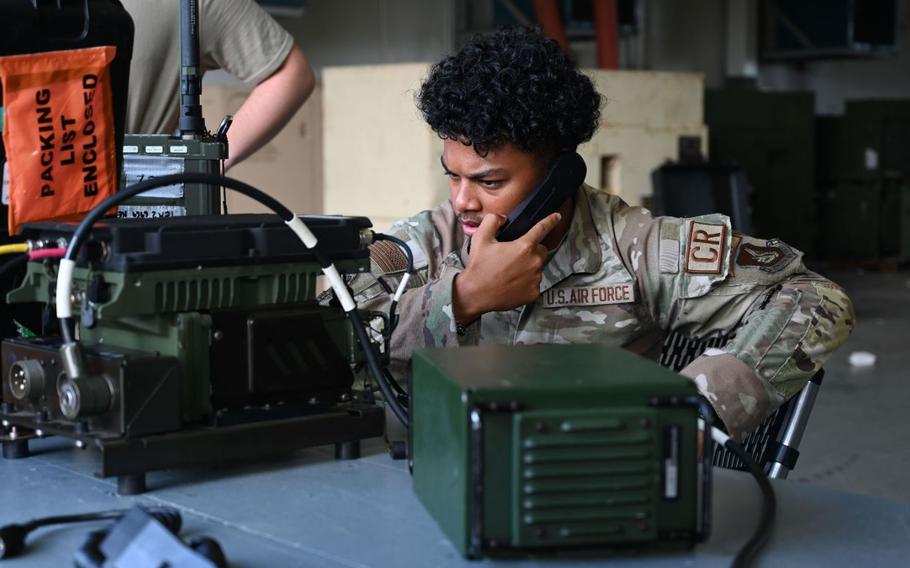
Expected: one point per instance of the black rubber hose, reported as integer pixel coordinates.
(167, 516)
(393, 317)
(102, 208)
(376, 370)
(12, 265)
(12, 537)
(395, 386)
(212, 179)
(749, 552)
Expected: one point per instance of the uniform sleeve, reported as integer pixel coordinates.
(425, 317)
(240, 37)
(701, 279)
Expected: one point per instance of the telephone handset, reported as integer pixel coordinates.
(565, 176)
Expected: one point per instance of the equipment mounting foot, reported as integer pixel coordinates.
(15, 449)
(347, 450)
(132, 484)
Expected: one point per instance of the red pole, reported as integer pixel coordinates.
(547, 14)
(606, 25)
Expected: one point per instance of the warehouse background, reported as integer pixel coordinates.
(809, 100)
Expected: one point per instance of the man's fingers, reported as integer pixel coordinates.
(486, 232)
(540, 231)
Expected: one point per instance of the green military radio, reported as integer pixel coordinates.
(192, 150)
(201, 340)
(154, 155)
(529, 448)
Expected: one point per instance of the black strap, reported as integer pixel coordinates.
(782, 454)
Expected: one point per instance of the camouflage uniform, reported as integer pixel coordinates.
(624, 278)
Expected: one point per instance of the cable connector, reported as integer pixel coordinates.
(71, 356)
(720, 437)
(12, 540)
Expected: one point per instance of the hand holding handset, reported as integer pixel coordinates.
(565, 176)
(501, 276)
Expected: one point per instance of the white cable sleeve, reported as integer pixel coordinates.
(309, 239)
(719, 436)
(301, 230)
(401, 286)
(341, 291)
(65, 288)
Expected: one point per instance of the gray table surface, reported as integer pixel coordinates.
(306, 509)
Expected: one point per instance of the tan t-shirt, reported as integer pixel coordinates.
(235, 35)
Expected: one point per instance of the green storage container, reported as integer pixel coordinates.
(863, 165)
(534, 448)
(772, 135)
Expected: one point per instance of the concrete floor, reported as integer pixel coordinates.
(857, 438)
(308, 510)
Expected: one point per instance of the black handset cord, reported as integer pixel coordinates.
(12, 537)
(749, 552)
(69, 350)
(13, 265)
(393, 317)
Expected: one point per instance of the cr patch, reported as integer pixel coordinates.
(705, 249)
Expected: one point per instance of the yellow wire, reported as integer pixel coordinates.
(11, 249)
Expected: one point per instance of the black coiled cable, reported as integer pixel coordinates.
(12, 537)
(393, 317)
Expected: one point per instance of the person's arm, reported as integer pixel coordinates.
(699, 278)
(434, 240)
(424, 320)
(784, 338)
(501, 275)
(446, 293)
(269, 107)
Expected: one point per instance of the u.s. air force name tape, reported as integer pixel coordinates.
(588, 296)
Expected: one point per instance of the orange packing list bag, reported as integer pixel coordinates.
(58, 130)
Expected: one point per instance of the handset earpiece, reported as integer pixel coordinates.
(565, 176)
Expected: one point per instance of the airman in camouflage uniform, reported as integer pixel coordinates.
(622, 277)
(507, 106)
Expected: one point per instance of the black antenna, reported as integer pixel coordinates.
(191, 121)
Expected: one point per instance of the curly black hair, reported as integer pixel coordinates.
(512, 86)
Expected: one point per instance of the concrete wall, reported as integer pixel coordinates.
(382, 161)
(687, 36)
(701, 35)
(680, 35)
(836, 81)
(373, 131)
(289, 167)
(645, 114)
(360, 32)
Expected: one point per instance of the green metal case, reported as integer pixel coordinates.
(864, 178)
(152, 155)
(200, 338)
(772, 136)
(171, 312)
(533, 448)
